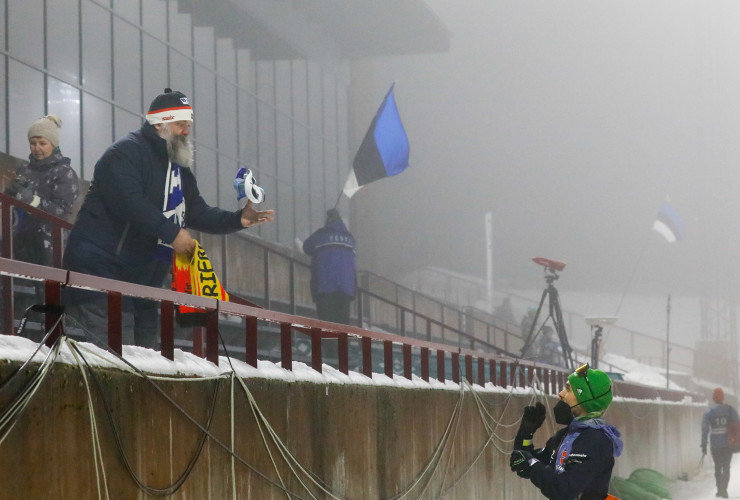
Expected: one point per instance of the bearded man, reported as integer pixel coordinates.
(142, 199)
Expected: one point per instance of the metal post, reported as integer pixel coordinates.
(53, 295)
(166, 323)
(115, 302)
(343, 352)
(212, 337)
(286, 353)
(388, 358)
(668, 343)
(440, 365)
(425, 364)
(316, 352)
(251, 340)
(407, 371)
(367, 357)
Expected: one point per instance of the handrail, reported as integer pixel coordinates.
(431, 321)
(6, 248)
(633, 333)
(268, 250)
(478, 367)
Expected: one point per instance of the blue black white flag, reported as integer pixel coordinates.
(668, 224)
(384, 150)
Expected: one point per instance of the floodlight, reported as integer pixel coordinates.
(601, 320)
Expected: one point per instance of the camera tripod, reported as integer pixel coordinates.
(555, 314)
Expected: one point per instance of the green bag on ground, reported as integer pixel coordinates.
(625, 489)
(652, 481)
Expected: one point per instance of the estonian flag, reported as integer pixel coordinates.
(384, 150)
(668, 224)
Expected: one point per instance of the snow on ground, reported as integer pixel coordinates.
(639, 373)
(702, 487)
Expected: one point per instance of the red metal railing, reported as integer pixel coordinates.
(474, 329)
(497, 365)
(502, 371)
(6, 249)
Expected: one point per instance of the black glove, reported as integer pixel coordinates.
(22, 189)
(521, 462)
(532, 420)
(16, 185)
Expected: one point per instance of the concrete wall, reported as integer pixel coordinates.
(364, 442)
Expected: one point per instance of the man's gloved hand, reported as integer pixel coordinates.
(532, 420)
(521, 462)
(703, 449)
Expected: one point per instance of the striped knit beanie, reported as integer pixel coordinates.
(172, 106)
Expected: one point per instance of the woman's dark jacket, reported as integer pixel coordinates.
(54, 183)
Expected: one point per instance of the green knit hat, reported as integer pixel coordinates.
(593, 388)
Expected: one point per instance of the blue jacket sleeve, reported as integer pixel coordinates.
(704, 429)
(309, 245)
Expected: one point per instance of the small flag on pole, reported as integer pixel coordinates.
(384, 150)
(668, 224)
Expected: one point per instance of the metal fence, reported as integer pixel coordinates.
(399, 330)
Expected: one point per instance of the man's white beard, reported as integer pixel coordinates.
(179, 147)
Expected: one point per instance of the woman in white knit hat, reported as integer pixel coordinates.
(46, 182)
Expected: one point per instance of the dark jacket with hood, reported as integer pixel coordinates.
(587, 468)
(122, 212)
(54, 183)
(332, 251)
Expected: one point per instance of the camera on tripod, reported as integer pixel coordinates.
(555, 314)
(549, 264)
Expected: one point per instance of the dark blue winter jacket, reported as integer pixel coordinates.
(585, 470)
(332, 252)
(122, 212)
(715, 423)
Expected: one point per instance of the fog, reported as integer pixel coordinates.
(571, 122)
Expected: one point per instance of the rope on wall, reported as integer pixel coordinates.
(150, 490)
(438, 465)
(12, 412)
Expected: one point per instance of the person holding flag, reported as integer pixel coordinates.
(332, 252)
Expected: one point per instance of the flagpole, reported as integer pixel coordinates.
(668, 342)
(489, 259)
(629, 283)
